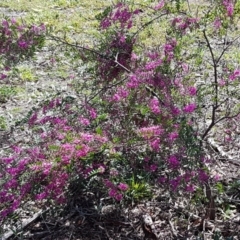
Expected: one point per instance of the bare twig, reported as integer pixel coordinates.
(23, 225)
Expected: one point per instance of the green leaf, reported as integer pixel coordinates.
(99, 130)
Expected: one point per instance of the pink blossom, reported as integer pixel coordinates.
(123, 186)
(5, 23)
(155, 144)
(106, 23)
(134, 57)
(84, 121)
(221, 83)
(116, 97)
(235, 75)
(154, 106)
(153, 55)
(172, 136)
(189, 188)
(159, 5)
(202, 176)
(189, 108)
(17, 149)
(168, 48)
(192, 91)
(4, 214)
(153, 65)
(101, 169)
(11, 184)
(93, 113)
(87, 137)
(129, 25)
(173, 162)
(133, 81)
(13, 21)
(175, 111)
(109, 184)
(33, 119)
(162, 180)
(114, 172)
(188, 176)
(12, 171)
(112, 192)
(229, 6)
(217, 23)
(41, 196)
(7, 160)
(23, 44)
(25, 189)
(2, 76)
(15, 204)
(153, 168)
(185, 67)
(118, 196)
(121, 94)
(67, 148)
(216, 177)
(82, 152)
(65, 160)
(175, 183)
(148, 132)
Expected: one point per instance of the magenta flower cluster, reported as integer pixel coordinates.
(139, 122)
(229, 6)
(18, 41)
(116, 191)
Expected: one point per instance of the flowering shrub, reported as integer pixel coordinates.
(18, 42)
(139, 123)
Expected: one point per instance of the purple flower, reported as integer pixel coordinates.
(108, 183)
(159, 5)
(153, 167)
(175, 111)
(217, 23)
(155, 144)
(173, 162)
(33, 119)
(7, 160)
(123, 186)
(202, 176)
(192, 91)
(175, 183)
(235, 74)
(23, 44)
(112, 192)
(189, 108)
(189, 188)
(93, 113)
(5, 23)
(229, 6)
(2, 76)
(106, 23)
(162, 180)
(185, 68)
(172, 136)
(154, 105)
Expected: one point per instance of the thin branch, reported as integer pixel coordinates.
(215, 105)
(119, 64)
(225, 49)
(57, 39)
(148, 23)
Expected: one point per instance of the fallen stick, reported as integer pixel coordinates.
(222, 152)
(24, 225)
